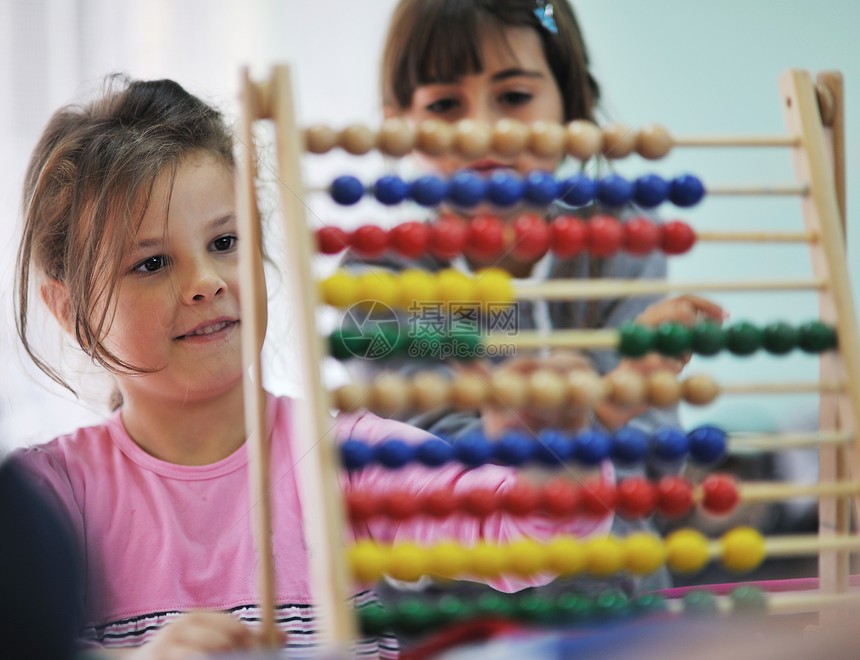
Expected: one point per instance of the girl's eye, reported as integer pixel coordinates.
(151, 264)
(515, 99)
(442, 106)
(224, 243)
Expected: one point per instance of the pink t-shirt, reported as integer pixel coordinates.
(159, 539)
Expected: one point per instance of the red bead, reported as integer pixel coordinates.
(605, 235)
(677, 238)
(448, 237)
(568, 236)
(521, 499)
(674, 497)
(370, 240)
(439, 503)
(641, 236)
(331, 240)
(719, 494)
(531, 238)
(560, 497)
(637, 497)
(410, 239)
(598, 497)
(401, 504)
(363, 505)
(479, 502)
(486, 238)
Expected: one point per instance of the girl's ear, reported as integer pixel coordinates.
(56, 296)
(389, 111)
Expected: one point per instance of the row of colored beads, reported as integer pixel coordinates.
(633, 498)
(466, 189)
(474, 139)
(527, 238)
(414, 614)
(543, 389)
(627, 446)
(683, 551)
(742, 338)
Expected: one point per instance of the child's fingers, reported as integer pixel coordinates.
(687, 310)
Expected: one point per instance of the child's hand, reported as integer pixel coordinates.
(687, 310)
(199, 633)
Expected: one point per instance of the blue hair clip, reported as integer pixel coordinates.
(545, 16)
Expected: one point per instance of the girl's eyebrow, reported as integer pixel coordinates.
(217, 223)
(515, 73)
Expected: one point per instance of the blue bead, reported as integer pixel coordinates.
(707, 444)
(346, 190)
(670, 444)
(591, 447)
(629, 445)
(515, 448)
(577, 190)
(650, 190)
(614, 190)
(390, 190)
(686, 190)
(355, 454)
(434, 452)
(504, 189)
(541, 188)
(553, 448)
(428, 190)
(394, 453)
(473, 449)
(467, 188)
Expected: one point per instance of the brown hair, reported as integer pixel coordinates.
(86, 191)
(431, 41)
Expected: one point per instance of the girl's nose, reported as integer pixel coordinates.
(205, 283)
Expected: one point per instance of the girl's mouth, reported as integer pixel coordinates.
(209, 329)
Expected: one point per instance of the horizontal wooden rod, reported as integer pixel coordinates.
(738, 442)
(754, 191)
(756, 237)
(736, 140)
(775, 491)
(782, 388)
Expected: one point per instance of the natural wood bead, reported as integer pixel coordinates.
(547, 389)
(434, 137)
(430, 390)
(699, 390)
(396, 137)
(350, 397)
(653, 141)
(582, 139)
(389, 394)
(546, 139)
(357, 140)
(472, 139)
(510, 137)
(618, 141)
(626, 387)
(663, 388)
(585, 388)
(320, 139)
(510, 390)
(469, 391)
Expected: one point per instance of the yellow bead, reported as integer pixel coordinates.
(447, 560)
(566, 555)
(525, 558)
(644, 553)
(339, 290)
(378, 286)
(453, 286)
(368, 560)
(493, 286)
(742, 549)
(686, 551)
(486, 560)
(417, 287)
(407, 561)
(605, 556)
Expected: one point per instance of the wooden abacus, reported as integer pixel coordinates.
(814, 117)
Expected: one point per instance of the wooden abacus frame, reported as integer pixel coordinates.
(819, 163)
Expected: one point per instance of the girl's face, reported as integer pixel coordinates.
(516, 83)
(177, 302)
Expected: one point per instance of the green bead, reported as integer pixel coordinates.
(650, 603)
(374, 620)
(414, 615)
(743, 338)
(700, 602)
(748, 599)
(346, 343)
(536, 608)
(450, 608)
(707, 338)
(574, 607)
(816, 337)
(672, 339)
(779, 338)
(497, 605)
(635, 340)
(611, 604)
(463, 342)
